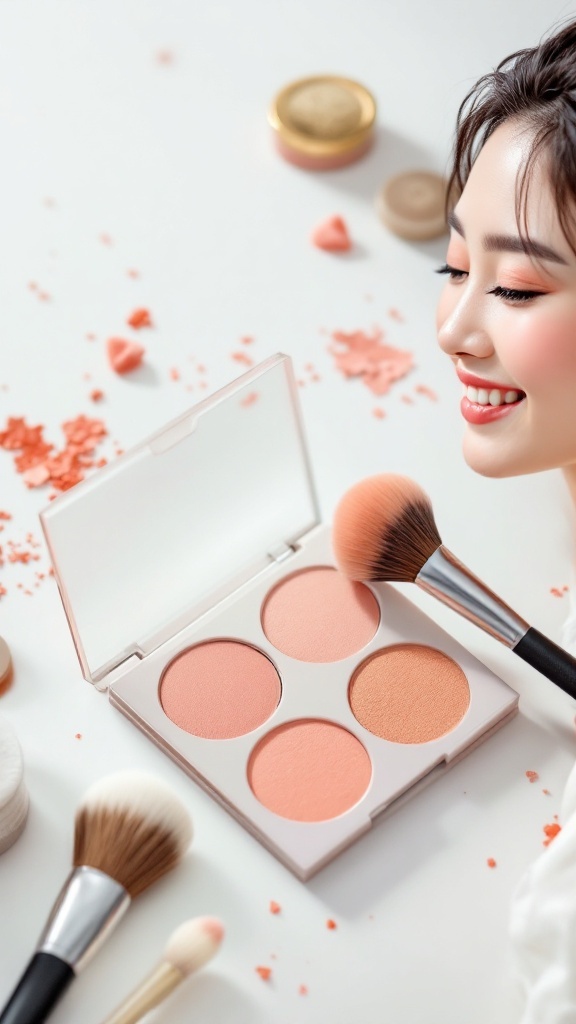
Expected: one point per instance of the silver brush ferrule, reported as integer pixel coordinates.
(451, 582)
(89, 906)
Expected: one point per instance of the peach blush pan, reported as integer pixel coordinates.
(201, 590)
(309, 770)
(409, 694)
(220, 689)
(319, 615)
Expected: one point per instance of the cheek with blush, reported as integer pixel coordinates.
(543, 357)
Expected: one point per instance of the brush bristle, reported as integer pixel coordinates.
(384, 529)
(133, 828)
(194, 943)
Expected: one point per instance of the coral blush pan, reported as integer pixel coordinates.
(384, 529)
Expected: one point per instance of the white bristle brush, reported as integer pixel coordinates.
(189, 947)
(130, 830)
(384, 530)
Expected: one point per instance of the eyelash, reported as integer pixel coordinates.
(508, 294)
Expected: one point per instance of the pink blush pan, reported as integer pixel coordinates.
(318, 615)
(309, 770)
(220, 689)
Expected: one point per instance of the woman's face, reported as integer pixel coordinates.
(507, 317)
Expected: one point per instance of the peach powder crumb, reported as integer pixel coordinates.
(379, 414)
(551, 831)
(124, 355)
(96, 395)
(330, 924)
(140, 318)
(546, 792)
(264, 972)
(241, 357)
(275, 908)
(174, 374)
(38, 462)
(249, 399)
(332, 235)
(368, 357)
(557, 591)
(303, 990)
(423, 389)
(532, 776)
(491, 862)
(78, 736)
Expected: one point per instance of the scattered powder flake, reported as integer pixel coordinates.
(165, 57)
(90, 336)
(38, 462)
(394, 314)
(241, 357)
(532, 776)
(174, 374)
(132, 272)
(407, 400)
(96, 395)
(557, 591)
(303, 990)
(124, 355)
(491, 862)
(331, 924)
(247, 340)
(368, 357)
(5, 515)
(3, 590)
(275, 908)
(264, 972)
(332, 235)
(78, 736)
(140, 318)
(546, 792)
(249, 399)
(550, 831)
(379, 413)
(105, 238)
(423, 389)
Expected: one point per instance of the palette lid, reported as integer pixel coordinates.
(156, 538)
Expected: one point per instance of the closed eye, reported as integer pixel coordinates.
(454, 273)
(514, 294)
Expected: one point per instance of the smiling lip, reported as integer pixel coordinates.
(480, 414)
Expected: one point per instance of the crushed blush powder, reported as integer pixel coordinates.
(379, 365)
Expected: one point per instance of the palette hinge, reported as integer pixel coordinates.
(281, 553)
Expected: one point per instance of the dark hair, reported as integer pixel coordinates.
(536, 87)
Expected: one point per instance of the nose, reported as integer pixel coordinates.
(462, 329)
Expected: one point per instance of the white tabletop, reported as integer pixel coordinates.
(134, 137)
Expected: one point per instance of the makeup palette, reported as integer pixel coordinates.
(201, 591)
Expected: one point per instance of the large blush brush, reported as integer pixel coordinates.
(130, 830)
(384, 530)
(189, 947)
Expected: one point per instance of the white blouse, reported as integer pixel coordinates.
(543, 911)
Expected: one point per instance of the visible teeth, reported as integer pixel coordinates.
(481, 396)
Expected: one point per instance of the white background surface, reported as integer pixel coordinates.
(175, 163)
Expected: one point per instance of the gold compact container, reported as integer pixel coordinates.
(323, 122)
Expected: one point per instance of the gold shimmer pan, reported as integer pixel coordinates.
(202, 594)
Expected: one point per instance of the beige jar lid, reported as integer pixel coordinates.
(412, 205)
(323, 115)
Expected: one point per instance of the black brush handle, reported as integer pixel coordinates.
(552, 661)
(45, 979)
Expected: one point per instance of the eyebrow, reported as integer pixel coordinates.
(511, 243)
